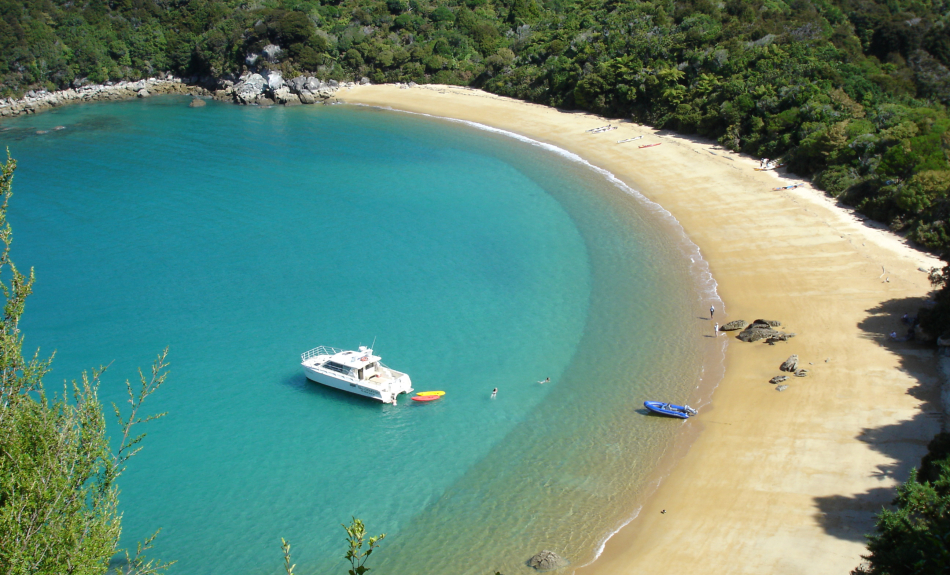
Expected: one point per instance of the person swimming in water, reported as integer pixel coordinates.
(494, 392)
(545, 380)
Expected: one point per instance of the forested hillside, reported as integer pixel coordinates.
(851, 92)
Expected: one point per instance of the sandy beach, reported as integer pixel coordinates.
(775, 482)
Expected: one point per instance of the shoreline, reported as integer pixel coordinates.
(769, 475)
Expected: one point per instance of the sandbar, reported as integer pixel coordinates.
(773, 482)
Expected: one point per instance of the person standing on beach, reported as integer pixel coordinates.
(716, 329)
(712, 311)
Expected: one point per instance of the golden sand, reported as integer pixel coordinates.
(776, 482)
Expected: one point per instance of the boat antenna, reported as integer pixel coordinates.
(373, 347)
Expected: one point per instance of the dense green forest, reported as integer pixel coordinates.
(850, 92)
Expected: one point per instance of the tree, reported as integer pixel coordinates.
(914, 539)
(58, 492)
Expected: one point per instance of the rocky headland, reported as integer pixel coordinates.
(248, 89)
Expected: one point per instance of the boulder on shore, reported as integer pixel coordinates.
(778, 379)
(790, 364)
(249, 90)
(768, 322)
(547, 560)
(757, 331)
(275, 81)
(733, 325)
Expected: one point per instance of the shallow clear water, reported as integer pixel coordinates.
(241, 237)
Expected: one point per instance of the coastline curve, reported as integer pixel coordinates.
(705, 288)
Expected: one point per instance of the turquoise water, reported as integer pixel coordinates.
(241, 237)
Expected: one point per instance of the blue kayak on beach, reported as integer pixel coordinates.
(681, 411)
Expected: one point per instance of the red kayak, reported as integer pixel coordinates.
(426, 397)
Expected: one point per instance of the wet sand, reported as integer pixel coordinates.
(774, 482)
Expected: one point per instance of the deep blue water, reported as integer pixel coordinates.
(241, 237)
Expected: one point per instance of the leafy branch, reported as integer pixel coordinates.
(356, 533)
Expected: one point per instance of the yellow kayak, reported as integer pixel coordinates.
(425, 393)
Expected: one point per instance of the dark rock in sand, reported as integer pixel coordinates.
(778, 379)
(733, 325)
(757, 332)
(801, 373)
(547, 560)
(790, 364)
(769, 322)
(781, 388)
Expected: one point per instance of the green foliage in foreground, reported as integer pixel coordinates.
(355, 538)
(355, 535)
(914, 539)
(58, 492)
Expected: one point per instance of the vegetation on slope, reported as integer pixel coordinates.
(914, 539)
(851, 92)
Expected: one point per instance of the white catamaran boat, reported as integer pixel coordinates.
(358, 372)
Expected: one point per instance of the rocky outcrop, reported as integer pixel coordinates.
(762, 329)
(790, 364)
(250, 89)
(272, 53)
(778, 379)
(801, 372)
(275, 81)
(255, 89)
(39, 100)
(547, 560)
(733, 325)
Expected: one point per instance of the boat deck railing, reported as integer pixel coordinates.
(322, 350)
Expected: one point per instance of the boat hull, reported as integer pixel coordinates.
(401, 385)
(668, 409)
